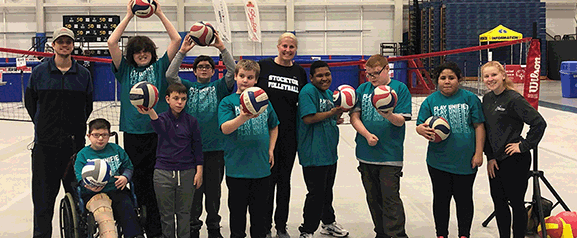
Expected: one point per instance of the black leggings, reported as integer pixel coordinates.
(284, 159)
(508, 188)
(141, 148)
(445, 186)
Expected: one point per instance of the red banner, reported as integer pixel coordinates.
(532, 74)
(515, 72)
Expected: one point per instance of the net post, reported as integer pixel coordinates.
(23, 87)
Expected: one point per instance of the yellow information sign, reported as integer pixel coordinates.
(500, 33)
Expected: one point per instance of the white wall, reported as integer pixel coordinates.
(561, 16)
(561, 21)
(343, 33)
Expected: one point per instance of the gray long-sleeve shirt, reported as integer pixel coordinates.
(172, 72)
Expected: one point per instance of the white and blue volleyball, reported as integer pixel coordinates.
(384, 98)
(202, 33)
(253, 100)
(143, 8)
(441, 127)
(345, 96)
(143, 95)
(96, 172)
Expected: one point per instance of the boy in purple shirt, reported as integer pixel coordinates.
(178, 169)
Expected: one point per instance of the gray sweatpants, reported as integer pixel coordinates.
(174, 191)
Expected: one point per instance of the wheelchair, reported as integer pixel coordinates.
(77, 222)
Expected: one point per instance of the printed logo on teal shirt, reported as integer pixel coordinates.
(326, 105)
(146, 75)
(457, 115)
(369, 112)
(254, 126)
(203, 100)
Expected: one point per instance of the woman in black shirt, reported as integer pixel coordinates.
(282, 79)
(508, 157)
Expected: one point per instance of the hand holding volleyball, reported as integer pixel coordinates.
(143, 95)
(253, 101)
(96, 173)
(187, 44)
(345, 96)
(440, 128)
(218, 43)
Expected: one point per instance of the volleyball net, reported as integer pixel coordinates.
(407, 69)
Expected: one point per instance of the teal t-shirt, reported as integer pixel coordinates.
(317, 142)
(246, 148)
(131, 120)
(113, 154)
(389, 149)
(203, 100)
(461, 110)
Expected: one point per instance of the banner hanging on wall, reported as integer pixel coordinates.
(252, 20)
(222, 20)
(532, 74)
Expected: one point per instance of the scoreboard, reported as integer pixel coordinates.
(91, 28)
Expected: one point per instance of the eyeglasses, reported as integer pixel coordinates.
(204, 67)
(62, 42)
(98, 135)
(377, 74)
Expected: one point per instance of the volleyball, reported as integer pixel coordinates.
(96, 173)
(143, 95)
(384, 98)
(571, 219)
(253, 100)
(202, 33)
(556, 228)
(441, 127)
(143, 8)
(345, 96)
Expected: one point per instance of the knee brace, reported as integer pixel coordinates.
(100, 206)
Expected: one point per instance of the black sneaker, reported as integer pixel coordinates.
(283, 233)
(214, 233)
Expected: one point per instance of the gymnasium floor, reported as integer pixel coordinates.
(557, 157)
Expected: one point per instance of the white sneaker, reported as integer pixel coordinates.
(306, 235)
(334, 229)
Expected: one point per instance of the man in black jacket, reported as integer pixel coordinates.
(59, 100)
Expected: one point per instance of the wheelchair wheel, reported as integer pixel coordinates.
(68, 218)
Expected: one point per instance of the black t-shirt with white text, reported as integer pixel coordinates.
(282, 84)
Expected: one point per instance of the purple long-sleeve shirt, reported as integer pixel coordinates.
(179, 142)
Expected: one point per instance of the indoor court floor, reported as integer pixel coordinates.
(557, 158)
